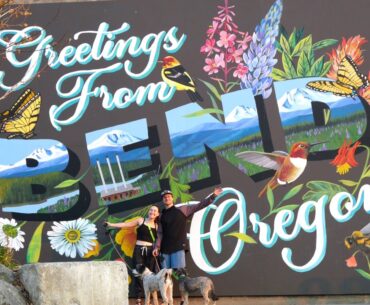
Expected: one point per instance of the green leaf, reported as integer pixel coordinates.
(278, 46)
(278, 74)
(212, 88)
(243, 237)
(326, 68)
(319, 188)
(203, 112)
(185, 197)
(348, 182)
(367, 174)
(305, 45)
(303, 66)
(285, 45)
(299, 34)
(293, 39)
(324, 43)
(327, 113)
(294, 191)
(214, 104)
(289, 207)
(363, 273)
(34, 247)
(317, 67)
(283, 31)
(270, 198)
(288, 66)
(70, 182)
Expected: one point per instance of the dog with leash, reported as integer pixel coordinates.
(162, 282)
(202, 284)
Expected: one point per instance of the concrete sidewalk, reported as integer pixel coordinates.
(282, 300)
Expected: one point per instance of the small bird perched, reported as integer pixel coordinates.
(174, 75)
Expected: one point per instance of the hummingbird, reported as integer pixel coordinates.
(289, 167)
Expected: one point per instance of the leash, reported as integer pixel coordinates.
(115, 248)
(156, 262)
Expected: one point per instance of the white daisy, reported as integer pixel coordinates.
(10, 235)
(71, 237)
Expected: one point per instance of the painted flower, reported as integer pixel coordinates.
(345, 159)
(211, 66)
(10, 235)
(350, 47)
(240, 71)
(220, 60)
(244, 42)
(351, 262)
(126, 238)
(234, 55)
(212, 29)
(71, 237)
(226, 40)
(260, 57)
(209, 47)
(94, 251)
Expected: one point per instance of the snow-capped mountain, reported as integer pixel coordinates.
(301, 98)
(50, 159)
(44, 154)
(113, 142)
(113, 138)
(241, 112)
(55, 158)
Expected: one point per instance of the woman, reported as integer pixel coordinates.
(146, 229)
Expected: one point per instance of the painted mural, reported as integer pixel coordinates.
(269, 99)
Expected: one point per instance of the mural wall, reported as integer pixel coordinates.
(103, 105)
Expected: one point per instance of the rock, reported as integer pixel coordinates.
(76, 283)
(10, 295)
(6, 274)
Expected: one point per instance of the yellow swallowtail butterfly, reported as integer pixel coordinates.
(21, 118)
(348, 82)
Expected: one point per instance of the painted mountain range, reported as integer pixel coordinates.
(55, 158)
(294, 107)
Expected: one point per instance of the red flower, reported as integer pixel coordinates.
(345, 158)
(350, 47)
(351, 262)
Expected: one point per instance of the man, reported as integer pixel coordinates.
(171, 238)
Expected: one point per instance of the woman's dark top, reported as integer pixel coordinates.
(143, 233)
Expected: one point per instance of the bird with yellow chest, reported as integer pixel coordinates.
(174, 75)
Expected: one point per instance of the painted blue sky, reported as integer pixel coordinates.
(177, 121)
(137, 128)
(15, 149)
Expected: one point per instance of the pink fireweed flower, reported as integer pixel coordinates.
(234, 55)
(240, 71)
(212, 29)
(209, 47)
(244, 42)
(211, 66)
(220, 60)
(226, 40)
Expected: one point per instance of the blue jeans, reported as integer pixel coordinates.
(175, 260)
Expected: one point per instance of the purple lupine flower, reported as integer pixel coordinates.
(260, 56)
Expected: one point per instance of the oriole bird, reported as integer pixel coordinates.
(174, 75)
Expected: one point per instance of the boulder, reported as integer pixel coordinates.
(10, 295)
(76, 283)
(6, 274)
